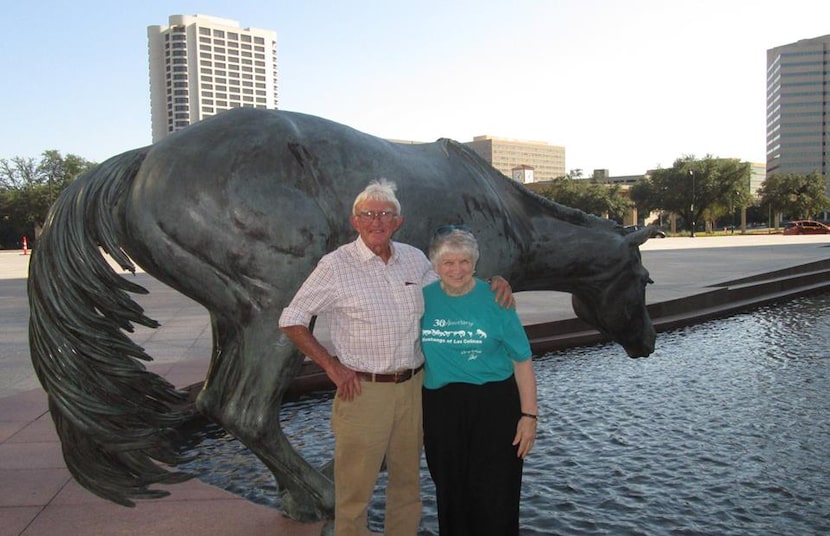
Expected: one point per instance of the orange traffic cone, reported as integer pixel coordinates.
(25, 246)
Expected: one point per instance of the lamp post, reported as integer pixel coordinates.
(692, 206)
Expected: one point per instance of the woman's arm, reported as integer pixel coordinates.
(526, 427)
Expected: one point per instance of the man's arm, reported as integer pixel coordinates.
(504, 294)
(345, 379)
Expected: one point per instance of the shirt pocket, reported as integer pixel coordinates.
(409, 298)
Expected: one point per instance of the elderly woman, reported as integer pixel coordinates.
(479, 394)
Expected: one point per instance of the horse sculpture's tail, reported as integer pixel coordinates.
(114, 418)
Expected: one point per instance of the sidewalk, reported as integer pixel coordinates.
(39, 498)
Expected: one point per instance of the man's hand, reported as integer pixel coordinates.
(504, 294)
(345, 379)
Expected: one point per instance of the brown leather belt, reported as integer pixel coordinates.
(395, 377)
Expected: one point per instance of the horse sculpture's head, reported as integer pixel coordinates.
(616, 305)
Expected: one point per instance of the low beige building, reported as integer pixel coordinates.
(546, 161)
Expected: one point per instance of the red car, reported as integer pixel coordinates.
(799, 227)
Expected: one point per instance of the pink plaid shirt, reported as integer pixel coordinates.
(373, 309)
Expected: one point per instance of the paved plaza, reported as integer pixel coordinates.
(39, 498)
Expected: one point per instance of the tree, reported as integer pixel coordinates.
(28, 188)
(797, 196)
(696, 189)
(643, 196)
(604, 200)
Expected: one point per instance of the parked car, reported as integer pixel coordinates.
(632, 228)
(800, 227)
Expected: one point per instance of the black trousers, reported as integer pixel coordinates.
(468, 435)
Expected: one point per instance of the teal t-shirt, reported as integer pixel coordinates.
(469, 338)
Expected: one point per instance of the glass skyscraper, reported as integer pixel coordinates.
(798, 108)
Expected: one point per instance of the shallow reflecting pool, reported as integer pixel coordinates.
(724, 430)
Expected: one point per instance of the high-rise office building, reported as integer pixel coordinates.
(798, 109)
(201, 65)
(514, 157)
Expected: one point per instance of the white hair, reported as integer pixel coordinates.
(456, 241)
(378, 190)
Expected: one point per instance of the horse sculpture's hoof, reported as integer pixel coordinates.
(300, 508)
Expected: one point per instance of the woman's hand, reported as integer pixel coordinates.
(525, 436)
(526, 427)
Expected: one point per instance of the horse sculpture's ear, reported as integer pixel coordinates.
(638, 238)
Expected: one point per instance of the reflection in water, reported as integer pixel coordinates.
(723, 430)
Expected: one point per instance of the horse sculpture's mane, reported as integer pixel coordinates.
(562, 212)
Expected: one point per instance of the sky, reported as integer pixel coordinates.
(623, 85)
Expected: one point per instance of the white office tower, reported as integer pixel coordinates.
(201, 65)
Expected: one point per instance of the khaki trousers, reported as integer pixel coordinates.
(385, 420)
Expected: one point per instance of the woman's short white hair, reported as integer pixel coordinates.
(454, 240)
(378, 190)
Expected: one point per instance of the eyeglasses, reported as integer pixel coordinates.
(370, 215)
(442, 230)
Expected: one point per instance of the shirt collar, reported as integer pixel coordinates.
(364, 254)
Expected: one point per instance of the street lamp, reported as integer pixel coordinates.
(692, 206)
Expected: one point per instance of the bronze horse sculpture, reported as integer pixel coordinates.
(234, 212)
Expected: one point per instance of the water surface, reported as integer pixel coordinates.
(724, 430)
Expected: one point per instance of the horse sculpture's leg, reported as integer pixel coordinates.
(252, 366)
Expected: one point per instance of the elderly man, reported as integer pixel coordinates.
(371, 292)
